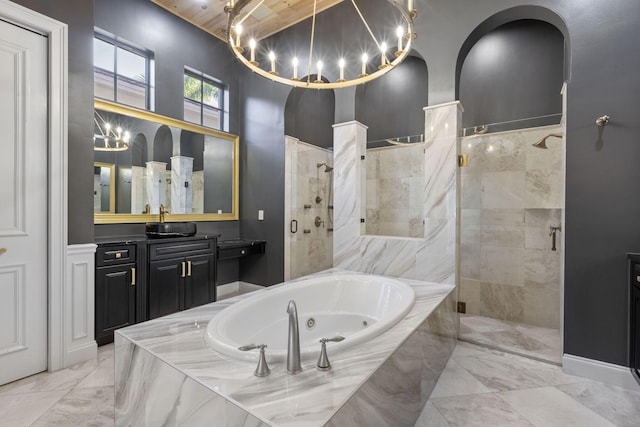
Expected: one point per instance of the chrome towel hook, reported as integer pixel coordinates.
(602, 121)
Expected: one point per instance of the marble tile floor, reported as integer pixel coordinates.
(485, 387)
(479, 387)
(544, 344)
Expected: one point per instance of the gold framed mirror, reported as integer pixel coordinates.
(152, 160)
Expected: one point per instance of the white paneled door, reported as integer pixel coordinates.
(23, 202)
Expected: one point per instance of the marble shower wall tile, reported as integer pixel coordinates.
(307, 253)
(511, 193)
(431, 254)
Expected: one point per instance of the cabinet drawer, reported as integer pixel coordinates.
(228, 253)
(116, 254)
(181, 249)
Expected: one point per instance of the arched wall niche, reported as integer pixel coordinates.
(309, 115)
(512, 66)
(163, 145)
(392, 105)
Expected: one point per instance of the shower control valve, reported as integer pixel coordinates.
(318, 222)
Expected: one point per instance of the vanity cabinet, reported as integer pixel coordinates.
(634, 315)
(115, 290)
(181, 275)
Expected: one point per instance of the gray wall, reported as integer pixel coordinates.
(78, 15)
(175, 44)
(309, 116)
(393, 106)
(513, 72)
(601, 223)
(601, 217)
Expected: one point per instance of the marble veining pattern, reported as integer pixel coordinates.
(511, 194)
(179, 351)
(432, 257)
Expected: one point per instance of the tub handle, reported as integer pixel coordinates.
(262, 370)
(323, 361)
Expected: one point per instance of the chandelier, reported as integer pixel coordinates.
(246, 49)
(108, 138)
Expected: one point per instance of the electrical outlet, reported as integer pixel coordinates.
(260, 215)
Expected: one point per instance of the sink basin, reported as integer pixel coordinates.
(161, 230)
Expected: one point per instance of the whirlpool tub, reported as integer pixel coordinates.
(357, 307)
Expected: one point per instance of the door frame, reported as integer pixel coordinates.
(57, 34)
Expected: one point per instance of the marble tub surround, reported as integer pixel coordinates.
(307, 253)
(364, 377)
(511, 193)
(432, 256)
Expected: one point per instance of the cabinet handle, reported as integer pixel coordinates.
(188, 268)
(183, 269)
(133, 276)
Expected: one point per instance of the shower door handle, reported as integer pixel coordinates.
(293, 227)
(553, 232)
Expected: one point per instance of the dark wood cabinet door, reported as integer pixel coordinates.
(115, 300)
(166, 281)
(200, 288)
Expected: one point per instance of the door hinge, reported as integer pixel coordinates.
(463, 160)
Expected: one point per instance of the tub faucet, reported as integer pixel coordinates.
(293, 348)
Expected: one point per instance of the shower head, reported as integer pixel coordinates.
(543, 142)
(327, 168)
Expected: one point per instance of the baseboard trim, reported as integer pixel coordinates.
(600, 371)
(236, 287)
(88, 351)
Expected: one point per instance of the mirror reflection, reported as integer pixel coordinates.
(103, 187)
(189, 169)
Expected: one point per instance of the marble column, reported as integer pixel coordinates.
(349, 174)
(436, 257)
(156, 185)
(138, 187)
(181, 184)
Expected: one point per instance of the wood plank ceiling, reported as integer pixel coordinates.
(270, 17)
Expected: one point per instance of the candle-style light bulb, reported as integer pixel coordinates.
(383, 57)
(319, 66)
(399, 33)
(252, 46)
(365, 59)
(238, 33)
(272, 58)
(295, 68)
(410, 5)
(341, 64)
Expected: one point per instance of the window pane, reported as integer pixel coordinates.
(192, 111)
(131, 65)
(211, 118)
(103, 54)
(132, 93)
(211, 95)
(192, 88)
(103, 84)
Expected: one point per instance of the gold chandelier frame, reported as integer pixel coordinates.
(237, 17)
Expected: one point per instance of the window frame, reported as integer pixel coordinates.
(203, 78)
(146, 54)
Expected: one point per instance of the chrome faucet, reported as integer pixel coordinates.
(293, 348)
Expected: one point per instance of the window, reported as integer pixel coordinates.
(203, 100)
(122, 73)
